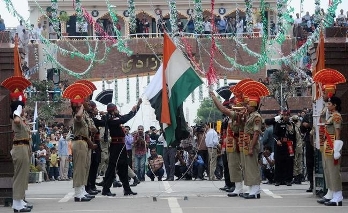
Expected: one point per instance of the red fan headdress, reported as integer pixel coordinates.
(254, 91)
(87, 83)
(16, 85)
(77, 92)
(328, 78)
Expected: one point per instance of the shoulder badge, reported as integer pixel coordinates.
(337, 118)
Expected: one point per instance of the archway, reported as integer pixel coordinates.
(106, 22)
(181, 17)
(146, 23)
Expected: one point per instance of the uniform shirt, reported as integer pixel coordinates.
(114, 124)
(253, 123)
(211, 139)
(21, 131)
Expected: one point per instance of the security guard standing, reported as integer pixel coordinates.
(21, 149)
(96, 153)
(285, 135)
(327, 79)
(118, 154)
(252, 129)
(232, 149)
(78, 94)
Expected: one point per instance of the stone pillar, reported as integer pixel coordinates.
(6, 171)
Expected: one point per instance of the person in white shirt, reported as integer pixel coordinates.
(298, 20)
(24, 40)
(341, 18)
(267, 164)
(212, 142)
(240, 27)
(37, 32)
(20, 29)
(207, 26)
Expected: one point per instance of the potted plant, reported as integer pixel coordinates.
(63, 18)
(34, 174)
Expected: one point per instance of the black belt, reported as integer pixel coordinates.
(117, 140)
(21, 142)
(76, 138)
(284, 139)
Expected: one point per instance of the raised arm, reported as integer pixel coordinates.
(218, 104)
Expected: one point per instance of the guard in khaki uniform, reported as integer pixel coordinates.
(21, 149)
(232, 148)
(332, 152)
(78, 93)
(327, 79)
(92, 130)
(252, 129)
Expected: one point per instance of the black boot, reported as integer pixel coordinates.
(310, 187)
(297, 179)
(136, 181)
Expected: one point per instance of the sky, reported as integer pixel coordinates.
(22, 7)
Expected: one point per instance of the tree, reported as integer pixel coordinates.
(207, 112)
(50, 103)
(287, 83)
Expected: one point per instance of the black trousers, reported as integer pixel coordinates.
(130, 157)
(310, 162)
(284, 165)
(117, 160)
(228, 182)
(93, 169)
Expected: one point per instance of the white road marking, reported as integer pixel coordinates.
(167, 187)
(269, 193)
(66, 198)
(174, 205)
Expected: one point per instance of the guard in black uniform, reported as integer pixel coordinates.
(285, 134)
(96, 153)
(117, 150)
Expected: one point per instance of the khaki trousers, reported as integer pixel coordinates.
(234, 167)
(21, 164)
(252, 171)
(332, 173)
(212, 153)
(80, 161)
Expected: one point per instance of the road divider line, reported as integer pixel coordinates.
(167, 187)
(66, 198)
(174, 205)
(271, 194)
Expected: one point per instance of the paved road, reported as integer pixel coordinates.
(176, 197)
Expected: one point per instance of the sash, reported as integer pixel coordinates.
(240, 140)
(230, 147)
(290, 148)
(329, 145)
(246, 144)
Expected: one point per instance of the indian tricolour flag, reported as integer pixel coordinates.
(174, 81)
